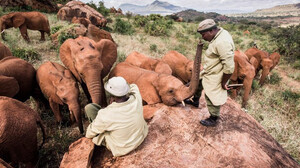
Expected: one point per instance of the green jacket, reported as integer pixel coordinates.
(120, 126)
(218, 59)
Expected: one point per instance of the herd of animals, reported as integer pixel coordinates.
(168, 80)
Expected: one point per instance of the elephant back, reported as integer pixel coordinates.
(18, 130)
(4, 51)
(23, 72)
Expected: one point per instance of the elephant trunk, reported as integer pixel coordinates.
(95, 87)
(76, 112)
(189, 91)
(265, 73)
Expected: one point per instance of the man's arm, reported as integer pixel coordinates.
(95, 128)
(225, 78)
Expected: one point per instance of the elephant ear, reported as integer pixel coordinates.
(65, 54)
(266, 63)
(9, 86)
(108, 50)
(55, 83)
(18, 20)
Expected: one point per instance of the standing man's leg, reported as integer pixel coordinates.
(214, 112)
(91, 111)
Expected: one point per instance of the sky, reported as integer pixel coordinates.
(206, 5)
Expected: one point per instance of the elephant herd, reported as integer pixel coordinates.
(169, 80)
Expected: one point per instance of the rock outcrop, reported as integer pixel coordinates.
(176, 139)
(45, 5)
(79, 9)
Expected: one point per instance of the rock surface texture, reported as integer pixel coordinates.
(176, 139)
(79, 9)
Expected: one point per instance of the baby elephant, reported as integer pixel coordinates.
(60, 87)
(18, 132)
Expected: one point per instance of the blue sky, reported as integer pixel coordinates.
(206, 5)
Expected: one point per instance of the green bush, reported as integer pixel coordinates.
(26, 54)
(123, 27)
(63, 36)
(140, 21)
(100, 8)
(159, 27)
(153, 47)
(287, 42)
(55, 29)
(155, 17)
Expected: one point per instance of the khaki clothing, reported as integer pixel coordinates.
(218, 59)
(120, 126)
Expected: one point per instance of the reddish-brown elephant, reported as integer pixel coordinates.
(60, 87)
(244, 73)
(18, 132)
(17, 78)
(4, 51)
(264, 62)
(275, 57)
(180, 65)
(159, 88)
(140, 60)
(24, 21)
(89, 62)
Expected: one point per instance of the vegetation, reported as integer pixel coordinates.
(275, 105)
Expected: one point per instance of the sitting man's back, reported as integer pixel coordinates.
(120, 126)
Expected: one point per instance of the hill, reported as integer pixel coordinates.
(280, 10)
(157, 7)
(193, 15)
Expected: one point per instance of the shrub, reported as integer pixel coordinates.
(123, 27)
(101, 8)
(63, 36)
(159, 27)
(140, 21)
(287, 42)
(26, 54)
(55, 29)
(153, 47)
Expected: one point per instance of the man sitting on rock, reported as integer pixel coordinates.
(120, 126)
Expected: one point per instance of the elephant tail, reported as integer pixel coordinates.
(39, 122)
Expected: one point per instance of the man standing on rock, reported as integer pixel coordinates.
(120, 126)
(218, 65)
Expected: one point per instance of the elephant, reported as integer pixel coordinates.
(81, 20)
(156, 87)
(4, 51)
(95, 33)
(275, 57)
(60, 87)
(18, 132)
(264, 62)
(24, 21)
(89, 62)
(140, 60)
(17, 78)
(244, 72)
(180, 65)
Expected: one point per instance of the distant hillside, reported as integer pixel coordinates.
(280, 10)
(157, 7)
(193, 15)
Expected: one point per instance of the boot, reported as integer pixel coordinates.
(210, 122)
(194, 101)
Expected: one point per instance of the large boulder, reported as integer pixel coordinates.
(176, 139)
(79, 9)
(44, 5)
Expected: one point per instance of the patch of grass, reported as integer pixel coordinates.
(274, 79)
(27, 54)
(153, 47)
(121, 57)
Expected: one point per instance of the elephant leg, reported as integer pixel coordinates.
(42, 35)
(247, 88)
(72, 117)
(55, 108)
(86, 92)
(23, 30)
(234, 91)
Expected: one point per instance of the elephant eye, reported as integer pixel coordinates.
(82, 49)
(91, 45)
(170, 91)
(64, 99)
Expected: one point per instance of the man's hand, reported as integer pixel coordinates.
(225, 78)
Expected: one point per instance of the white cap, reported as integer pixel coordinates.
(206, 25)
(117, 86)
